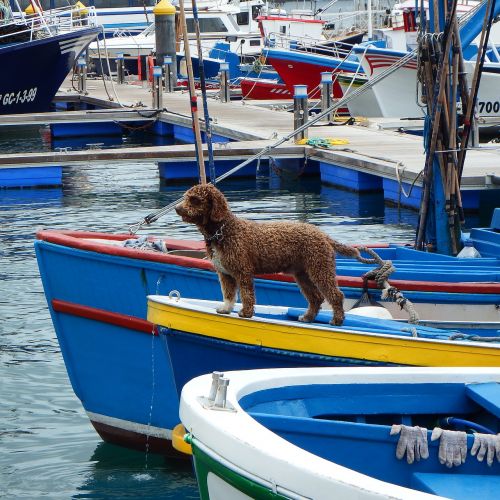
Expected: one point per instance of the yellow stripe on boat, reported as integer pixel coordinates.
(327, 341)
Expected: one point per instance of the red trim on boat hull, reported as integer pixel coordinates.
(77, 239)
(117, 319)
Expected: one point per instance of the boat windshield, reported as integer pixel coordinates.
(149, 30)
(207, 25)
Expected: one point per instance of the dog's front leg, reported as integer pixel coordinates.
(247, 293)
(229, 287)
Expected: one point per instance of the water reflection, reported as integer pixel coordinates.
(117, 473)
(15, 199)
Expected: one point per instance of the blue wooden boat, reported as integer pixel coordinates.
(441, 287)
(487, 240)
(96, 290)
(323, 433)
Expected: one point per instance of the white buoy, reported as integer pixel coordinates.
(371, 312)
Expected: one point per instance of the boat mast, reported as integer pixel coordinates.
(443, 79)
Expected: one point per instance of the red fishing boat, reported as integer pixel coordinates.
(262, 89)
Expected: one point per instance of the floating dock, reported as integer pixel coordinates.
(226, 150)
(371, 159)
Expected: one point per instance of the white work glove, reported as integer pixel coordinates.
(452, 446)
(486, 444)
(412, 441)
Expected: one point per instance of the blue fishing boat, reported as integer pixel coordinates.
(36, 55)
(361, 433)
(441, 287)
(96, 286)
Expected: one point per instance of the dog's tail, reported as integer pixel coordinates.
(349, 251)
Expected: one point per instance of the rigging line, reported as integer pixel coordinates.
(109, 72)
(260, 67)
(145, 11)
(102, 68)
(109, 69)
(470, 148)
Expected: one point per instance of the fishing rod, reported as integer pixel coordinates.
(478, 70)
(435, 112)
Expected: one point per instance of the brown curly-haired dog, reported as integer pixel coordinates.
(240, 249)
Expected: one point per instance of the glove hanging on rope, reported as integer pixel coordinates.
(452, 446)
(486, 444)
(412, 442)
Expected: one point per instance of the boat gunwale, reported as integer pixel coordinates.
(79, 240)
(261, 444)
(188, 310)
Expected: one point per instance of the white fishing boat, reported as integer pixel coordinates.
(399, 95)
(234, 24)
(395, 94)
(347, 433)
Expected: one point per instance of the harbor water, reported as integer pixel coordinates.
(47, 446)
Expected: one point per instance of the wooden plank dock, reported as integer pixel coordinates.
(228, 150)
(95, 115)
(384, 154)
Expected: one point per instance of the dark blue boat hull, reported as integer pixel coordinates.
(207, 354)
(32, 72)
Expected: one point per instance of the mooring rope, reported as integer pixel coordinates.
(381, 275)
(475, 338)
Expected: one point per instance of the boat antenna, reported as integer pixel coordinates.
(192, 95)
(201, 72)
(145, 11)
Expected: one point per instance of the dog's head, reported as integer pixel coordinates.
(203, 204)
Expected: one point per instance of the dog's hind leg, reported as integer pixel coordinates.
(229, 288)
(247, 293)
(322, 276)
(312, 295)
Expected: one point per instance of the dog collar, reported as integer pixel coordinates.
(217, 236)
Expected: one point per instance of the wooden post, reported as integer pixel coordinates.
(192, 93)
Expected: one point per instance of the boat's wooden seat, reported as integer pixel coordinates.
(486, 395)
(457, 486)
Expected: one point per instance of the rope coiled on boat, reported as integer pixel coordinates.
(381, 276)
